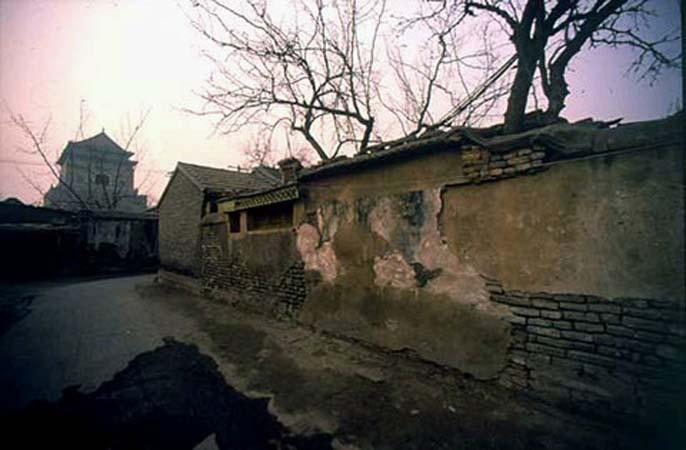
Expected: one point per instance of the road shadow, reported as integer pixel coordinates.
(13, 309)
(172, 397)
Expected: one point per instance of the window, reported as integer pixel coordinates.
(271, 217)
(235, 222)
(103, 179)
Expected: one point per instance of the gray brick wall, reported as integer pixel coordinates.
(623, 357)
(278, 289)
(179, 226)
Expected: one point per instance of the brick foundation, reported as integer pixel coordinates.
(280, 294)
(623, 357)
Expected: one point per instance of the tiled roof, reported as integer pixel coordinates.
(223, 180)
(101, 143)
(261, 198)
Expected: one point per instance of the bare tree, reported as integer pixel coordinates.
(314, 73)
(111, 193)
(334, 72)
(548, 35)
(456, 76)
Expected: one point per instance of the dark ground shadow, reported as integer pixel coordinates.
(12, 310)
(172, 397)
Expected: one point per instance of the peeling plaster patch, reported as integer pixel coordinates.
(421, 242)
(392, 270)
(457, 279)
(321, 258)
(382, 218)
(328, 218)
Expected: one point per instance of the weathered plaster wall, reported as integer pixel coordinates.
(388, 278)
(430, 170)
(610, 226)
(536, 276)
(179, 227)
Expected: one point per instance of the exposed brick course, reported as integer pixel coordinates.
(482, 165)
(583, 359)
(279, 294)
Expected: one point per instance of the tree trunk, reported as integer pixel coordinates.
(557, 92)
(519, 94)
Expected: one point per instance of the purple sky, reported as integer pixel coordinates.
(123, 57)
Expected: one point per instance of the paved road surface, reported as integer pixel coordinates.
(79, 333)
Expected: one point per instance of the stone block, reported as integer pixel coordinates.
(494, 288)
(509, 155)
(605, 339)
(545, 304)
(562, 325)
(516, 320)
(633, 302)
(605, 308)
(518, 357)
(551, 314)
(526, 312)
(611, 318)
(643, 324)
(578, 336)
(563, 343)
(589, 327)
(512, 300)
(570, 298)
(539, 358)
(617, 330)
(643, 313)
(592, 317)
(550, 332)
(574, 306)
(545, 349)
(611, 352)
(540, 322)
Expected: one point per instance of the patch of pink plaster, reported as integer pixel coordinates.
(392, 270)
(321, 258)
(457, 279)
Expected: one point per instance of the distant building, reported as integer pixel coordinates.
(97, 174)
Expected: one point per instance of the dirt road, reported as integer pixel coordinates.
(152, 367)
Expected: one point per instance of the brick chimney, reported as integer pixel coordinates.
(289, 168)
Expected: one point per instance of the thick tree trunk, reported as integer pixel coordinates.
(519, 94)
(557, 92)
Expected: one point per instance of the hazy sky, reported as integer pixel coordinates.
(123, 57)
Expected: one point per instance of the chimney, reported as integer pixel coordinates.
(289, 169)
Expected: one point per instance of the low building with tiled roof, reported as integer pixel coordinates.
(191, 193)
